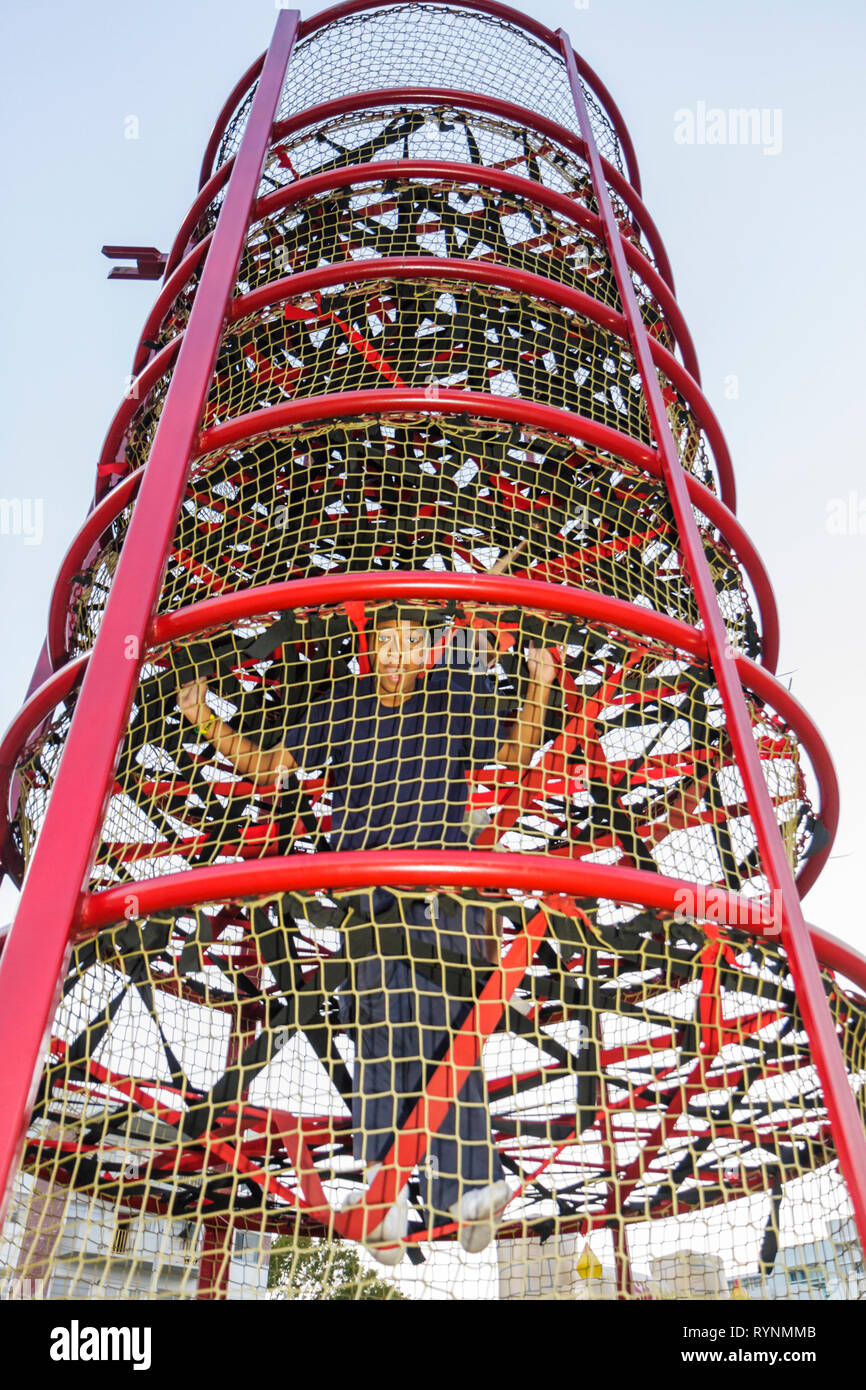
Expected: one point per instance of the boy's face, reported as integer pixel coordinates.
(399, 653)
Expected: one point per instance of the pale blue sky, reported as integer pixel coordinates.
(766, 251)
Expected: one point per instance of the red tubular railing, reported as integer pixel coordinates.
(494, 106)
(407, 267)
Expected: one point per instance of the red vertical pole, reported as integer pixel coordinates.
(38, 946)
(841, 1105)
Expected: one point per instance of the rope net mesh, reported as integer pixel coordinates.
(426, 334)
(451, 218)
(382, 131)
(408, 217)
(450, 1088)
(224, 1081)
(442, 493)
(398, 131)
(524, 732)
(428, 46)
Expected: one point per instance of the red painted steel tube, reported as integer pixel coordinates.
(491, 272)
(560, 203)
(316, 183)
(403, 401)
(41, 699)
(592, 79)
(41, 671)
(172, 287)
(181, 249)
(217, 883)
(436, 868)
(773, 693)
(509, 591)
(387, 170)
(35, 709)
(841, 1105)
(37, 950)
(624, 1281)
(707, 502)
(449, 401)
(313, 184)
(528, 873)
(381, 584)
(472, 272)
(838, 956)
(214, 1263)
(494, 106)
(690, 387)
(524, 281)
(152, 511)
(531, 593)
(138, 391)
(75, 559)
(482, 177)
(326, 589)
(232, 100)
(325, 18)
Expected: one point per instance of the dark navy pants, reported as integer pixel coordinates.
(404, 1025)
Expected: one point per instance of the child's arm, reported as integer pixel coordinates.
(247, 758)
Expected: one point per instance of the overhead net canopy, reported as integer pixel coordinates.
(429, 950)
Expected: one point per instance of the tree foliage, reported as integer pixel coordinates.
(302, 1268)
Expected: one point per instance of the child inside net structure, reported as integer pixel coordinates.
(397, 744)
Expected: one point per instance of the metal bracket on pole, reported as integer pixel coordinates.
(149, 262)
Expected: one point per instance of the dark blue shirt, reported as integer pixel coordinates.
(397, 774)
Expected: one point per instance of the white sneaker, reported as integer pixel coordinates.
(479, 1212)
(391, 1230)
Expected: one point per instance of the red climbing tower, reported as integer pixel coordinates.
(418, 343)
